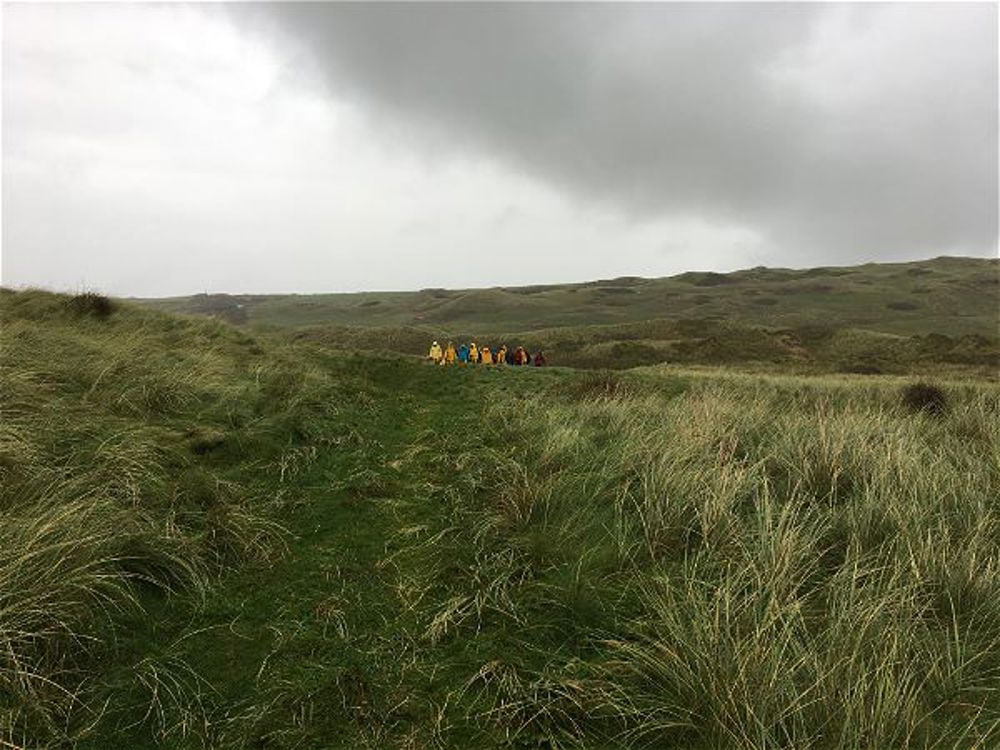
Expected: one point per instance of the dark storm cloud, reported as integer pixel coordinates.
(836, 132)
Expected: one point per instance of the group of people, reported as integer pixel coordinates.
(470, 354)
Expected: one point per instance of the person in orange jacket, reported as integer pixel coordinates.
(450, 355)
(487, 356)
(501, 355)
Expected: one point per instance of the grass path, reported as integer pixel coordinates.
(319, 648)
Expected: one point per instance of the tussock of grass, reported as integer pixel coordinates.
(91, 303)
(925, 397)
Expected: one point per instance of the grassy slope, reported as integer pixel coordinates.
(950, 296)
(520, 558)
(806, 349)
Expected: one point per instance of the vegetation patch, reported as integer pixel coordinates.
(91, 304)
(926, 398)
(706, 278)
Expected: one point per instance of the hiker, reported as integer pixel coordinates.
(463, 355)
(487, 356)
(435, 354)
(520, 356)
(501, 356)
(473, 353)
(539, 359)
(510, 357)
(449, 355)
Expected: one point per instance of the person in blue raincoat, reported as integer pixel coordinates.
(463, 354)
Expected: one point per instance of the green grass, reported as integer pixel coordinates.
(877, 318)
(217, 539)
(949, 296)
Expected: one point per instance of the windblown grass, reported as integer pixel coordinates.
(533, 558)
(750, 564)
(138, 458)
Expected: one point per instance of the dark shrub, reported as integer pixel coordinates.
(924, 397)
(903, 305)
(91, 304)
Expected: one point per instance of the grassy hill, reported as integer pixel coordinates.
(231, 539)
(948, 295)
(804, 349)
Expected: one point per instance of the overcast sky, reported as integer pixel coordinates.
(169, 149)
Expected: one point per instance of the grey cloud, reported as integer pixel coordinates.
(836, 132)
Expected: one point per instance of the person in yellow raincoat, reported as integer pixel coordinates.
(450, 355)
(473, 354)
(435, 353)
(487, 356)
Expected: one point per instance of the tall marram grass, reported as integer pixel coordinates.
(138, 457)
(753, 563)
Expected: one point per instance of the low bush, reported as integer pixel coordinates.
(926, 398)
(91, 304)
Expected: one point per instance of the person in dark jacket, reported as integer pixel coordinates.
(539, 359)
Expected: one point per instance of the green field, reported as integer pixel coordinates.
(233, 537)
(877, 318)
(947, 295)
